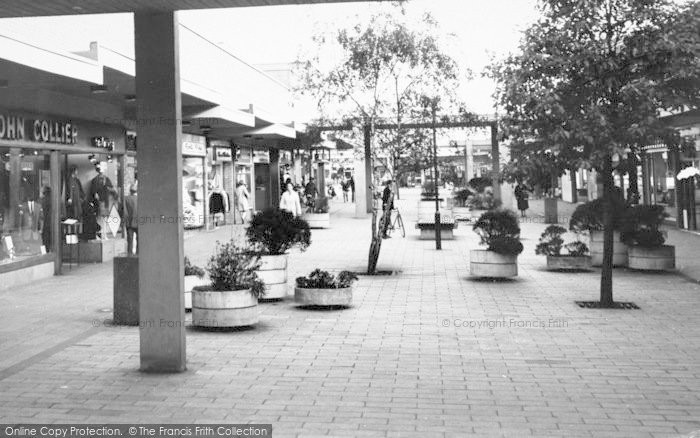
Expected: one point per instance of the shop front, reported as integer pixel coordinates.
(194, 189)
(61, 182)
(262, 174)
(221, 184)
(242, 175)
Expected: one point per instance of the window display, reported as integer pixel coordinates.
(25, 204)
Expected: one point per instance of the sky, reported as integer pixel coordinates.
(474, 30)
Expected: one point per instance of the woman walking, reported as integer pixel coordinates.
(521, 195)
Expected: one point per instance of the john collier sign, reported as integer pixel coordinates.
(41, 131)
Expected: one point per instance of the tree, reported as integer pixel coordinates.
(383, 69)
(591, 80)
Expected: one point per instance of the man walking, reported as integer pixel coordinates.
(131, 220)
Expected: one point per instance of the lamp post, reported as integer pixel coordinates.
(438, 234)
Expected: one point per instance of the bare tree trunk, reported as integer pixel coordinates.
(606, 284)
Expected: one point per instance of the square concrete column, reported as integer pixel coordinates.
(161, 252)
(496, 161)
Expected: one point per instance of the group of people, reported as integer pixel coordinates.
(292, 197)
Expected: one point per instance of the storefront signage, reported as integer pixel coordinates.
(44, 131)
(261, 156)
(104, 143)
(222, 155)
(194, 145)
(243, 155)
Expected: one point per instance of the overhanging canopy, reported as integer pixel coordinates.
(34, 8)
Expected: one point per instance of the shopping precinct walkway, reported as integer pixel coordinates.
(425, 352)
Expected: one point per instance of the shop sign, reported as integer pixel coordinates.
(44, 131)
(222, 155)
(194, 145)
(243, 155)
(103, 143)
(261, 155)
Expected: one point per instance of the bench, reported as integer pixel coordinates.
(426, 225)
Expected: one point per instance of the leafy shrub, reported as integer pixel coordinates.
(551, 242)
(320, 206)
(480, 183)
(463, 195)
(319, 279)
(497, 229)
(589, 216)
(428, 189)
(274, 231)
(506, 245)
(233, 267)
(576, 249)
(191, 269)
(643, 222)
(484, 200)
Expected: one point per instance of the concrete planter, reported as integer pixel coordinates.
(662, 258)
(569, 263)
(446, 233)
(484, 263)
(461, 213)
(596, 248)
(192, 281)
(224, 308)
(323, 297)
(317, 220)
(126, 291)
(476, 214)
(273, 272)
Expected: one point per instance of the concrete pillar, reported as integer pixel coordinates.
(360, 188)
(56, 183)
(161, 252)
(275, 185)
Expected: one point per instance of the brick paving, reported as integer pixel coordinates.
(427, 352)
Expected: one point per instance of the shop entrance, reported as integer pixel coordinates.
(262, 186)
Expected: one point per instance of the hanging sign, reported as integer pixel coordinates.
(194, 145)
(261, 155)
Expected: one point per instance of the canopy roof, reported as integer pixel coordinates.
(34, 8)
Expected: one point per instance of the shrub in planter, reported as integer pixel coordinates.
(588, 217)
(273, 232)
(192, 270)
(321, 288)
(231, 299)
(646, 241)
(551, 244)
(463, 195)
(194, 276)
(500, 232)
(428, 190)
(317, 215)
(484, 200)
(480, 183)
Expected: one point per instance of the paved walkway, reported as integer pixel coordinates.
(427, 352)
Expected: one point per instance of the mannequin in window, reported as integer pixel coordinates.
(76, 195)
(102, 191)
(46, 218)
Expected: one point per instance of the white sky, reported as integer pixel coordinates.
(262, 35)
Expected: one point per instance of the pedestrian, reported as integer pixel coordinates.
(242, 200)
(345, 185)
(387, 206)
(310, 193)
(522, 195)
(351, 184)
(131, 220)
(290, 201)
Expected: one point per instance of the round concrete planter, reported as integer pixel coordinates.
(192, 281)
(461, 213)
(662, 258)
(484, 263)
(273, 272)
(224, 308)
(317, 220)
(476, 214)
(596, 247)
(569, 263)
(323, 297)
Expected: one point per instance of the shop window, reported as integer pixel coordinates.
(25, 204)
